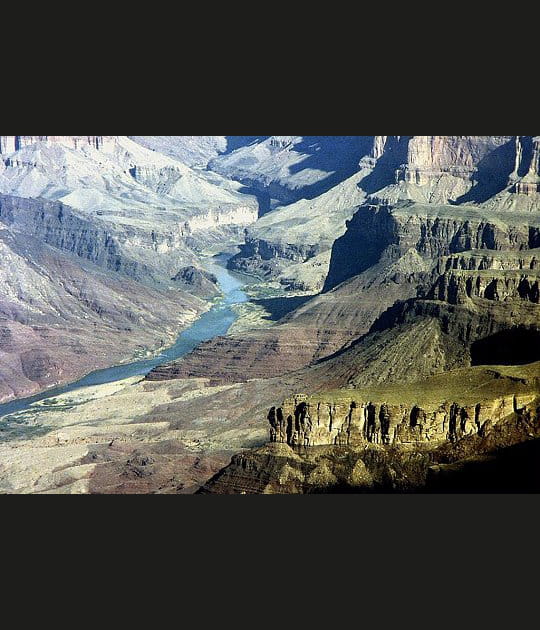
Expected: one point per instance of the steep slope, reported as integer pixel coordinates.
(61, 317)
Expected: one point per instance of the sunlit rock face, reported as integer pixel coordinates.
(526, 174)
(456, 169)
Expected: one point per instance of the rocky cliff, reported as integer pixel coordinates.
(382, 232)
(526, 174)
(495, 173)
(478, 307)
(398, 439)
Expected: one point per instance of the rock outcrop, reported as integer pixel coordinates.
(191, 277)
(526, 175)
(347, 442)
(316, 421)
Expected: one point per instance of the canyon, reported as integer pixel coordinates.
(97, 232)
(393, 343)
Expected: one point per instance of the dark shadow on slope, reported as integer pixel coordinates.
(262, 196)
(339, 156)
(384, 173)
(369, 233)
(492, 175)
(513, 469)
(237, 142)
(277, 308)
(517, 346)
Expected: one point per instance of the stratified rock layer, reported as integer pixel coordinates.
(345, 442)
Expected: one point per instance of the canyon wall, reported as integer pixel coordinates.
(130, 251)
(382, 232)
(316, 421)
(460, 169)
(498, 173)
(436, 436)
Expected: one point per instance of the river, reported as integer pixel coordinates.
(213, 323)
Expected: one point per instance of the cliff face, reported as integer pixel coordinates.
(316, 421)
(460, 169)
(498, 173)
(454, 163)
(382, 232)
(397, 439)
(131, 251)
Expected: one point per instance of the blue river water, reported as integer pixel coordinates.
(213, 323)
